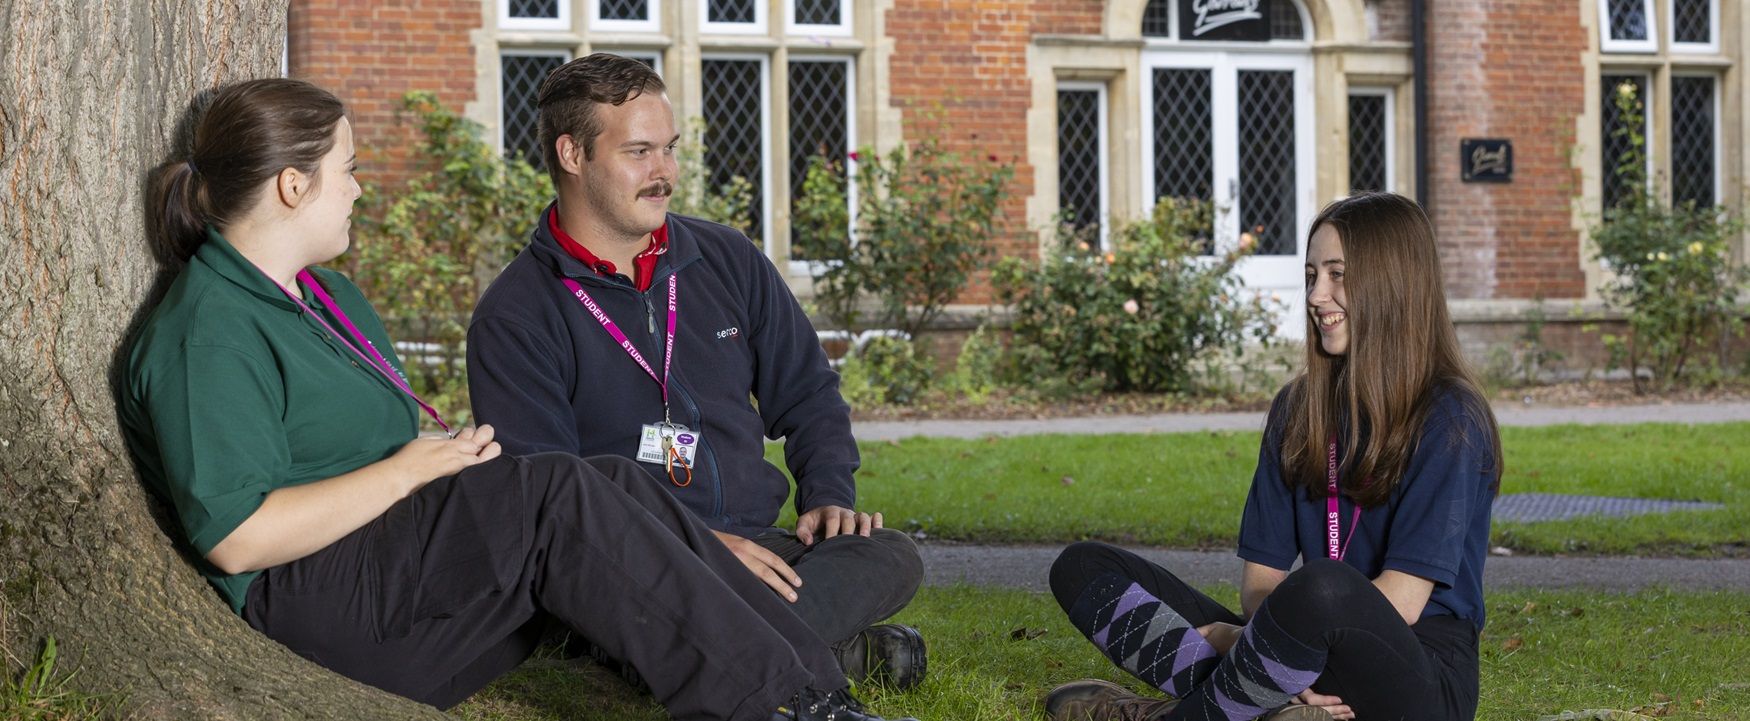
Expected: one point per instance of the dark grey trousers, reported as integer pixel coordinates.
(451, 588)
(849, 581)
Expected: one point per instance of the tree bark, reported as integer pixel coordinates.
(92, 96)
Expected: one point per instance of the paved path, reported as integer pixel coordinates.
(1508, 414)
(1025, 567)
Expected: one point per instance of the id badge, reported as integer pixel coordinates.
(657, 438)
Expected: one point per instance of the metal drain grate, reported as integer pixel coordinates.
(1532, 507)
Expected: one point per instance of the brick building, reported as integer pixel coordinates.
(1269, 108)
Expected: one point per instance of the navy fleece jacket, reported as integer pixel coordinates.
(548, 377)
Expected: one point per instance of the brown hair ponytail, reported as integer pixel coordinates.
(250, 132)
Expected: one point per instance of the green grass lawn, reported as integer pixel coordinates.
(993, 653)
(1186, 489)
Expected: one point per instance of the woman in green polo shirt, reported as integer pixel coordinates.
(268, 409)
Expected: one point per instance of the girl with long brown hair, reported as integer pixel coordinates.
(1378, 469)
(266, 407)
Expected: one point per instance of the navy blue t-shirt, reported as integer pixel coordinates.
(1436, 524)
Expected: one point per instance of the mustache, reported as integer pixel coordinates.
(660, 187)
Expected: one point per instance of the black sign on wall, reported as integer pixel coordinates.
(1486, 160)
(1242, 20)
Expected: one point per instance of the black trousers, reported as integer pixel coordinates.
(1383, 668)
(451, 588)
(849, 581)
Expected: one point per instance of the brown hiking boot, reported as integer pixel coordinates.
(1091, 700)
(1297, 712)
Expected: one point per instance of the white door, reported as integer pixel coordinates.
(1235, 128)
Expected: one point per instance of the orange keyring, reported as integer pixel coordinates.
(674, 454)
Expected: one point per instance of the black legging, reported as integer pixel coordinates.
(1382, 668)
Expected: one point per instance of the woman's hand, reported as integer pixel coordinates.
(426, 459)
(1331, 704)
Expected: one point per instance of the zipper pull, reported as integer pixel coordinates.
(650, 315)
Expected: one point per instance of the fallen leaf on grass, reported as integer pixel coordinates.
(1512, 644)
(1068, 481)
(1577, 612)
(1026, 634)
(1529, 607)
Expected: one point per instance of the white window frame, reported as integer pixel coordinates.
(843, 29)
(1105, 219)
(765, 180)
(561, 23)
(1712, 46)
(1719, 154)
(1610, 45)
(503, 52)
(1391, 136)
(652, 24)
(816, 267)
(757, 27)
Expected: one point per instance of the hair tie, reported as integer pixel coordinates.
(191, 168)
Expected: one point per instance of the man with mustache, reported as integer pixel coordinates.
(624, 329)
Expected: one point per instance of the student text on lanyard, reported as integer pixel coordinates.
(363, 346)
(670, 453)
(1333, 529)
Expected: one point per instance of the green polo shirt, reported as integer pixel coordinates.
(233, 391)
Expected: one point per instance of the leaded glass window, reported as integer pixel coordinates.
(627, 10)
(1184, 162)
(1285, 20)
(1692, 21)
(1616, 144)
(1367, 143)
(1157, 19)
(819, 126)
(1628, 19)
(520, 78)
(1692, 140)
(1267, 182)
(730, 11)
(1079, 161)
(817, 12)
(537, 9)
(735, 129)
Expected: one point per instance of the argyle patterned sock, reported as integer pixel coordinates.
(1143, 635)
(1265, 669)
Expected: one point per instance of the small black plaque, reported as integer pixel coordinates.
(1487, 160)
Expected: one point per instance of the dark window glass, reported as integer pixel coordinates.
(1184, 149)
(520, 78)
(1615, 140)
(819, 126)
(1367, 129)
(1692, 141)
(1078, 157)
(1267, 167)
(733, 129)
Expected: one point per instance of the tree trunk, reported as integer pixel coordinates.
(92, 95)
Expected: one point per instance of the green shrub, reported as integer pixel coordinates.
(978, 369)
(885, 371)
(1134, 318)
(1673, 273)
(425, 251)
(924, 222)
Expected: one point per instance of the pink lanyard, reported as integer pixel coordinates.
(614, 331)
(375, 359)
(1333, 530)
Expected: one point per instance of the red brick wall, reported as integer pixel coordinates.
(1394, 20)
(1506, 69)
(370, 54)
(959, 74)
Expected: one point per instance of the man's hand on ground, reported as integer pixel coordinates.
(828, 521)
(764, 564)
(1331, 704)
